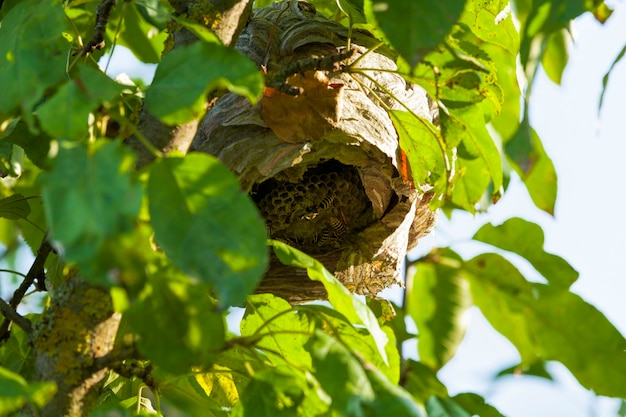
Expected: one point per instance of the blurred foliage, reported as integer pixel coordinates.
(178, 243)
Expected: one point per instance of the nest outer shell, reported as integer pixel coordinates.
(363, 137)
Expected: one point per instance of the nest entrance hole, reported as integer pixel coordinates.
(320, 212)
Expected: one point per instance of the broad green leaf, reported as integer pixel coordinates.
(155, 12)
(183, 397)
(390, 399)
(283, 330)
(184, 312)
(534, 166)
(187, 74)
(341, 299)
(421, 382)
(340, 374)
(424, 147)
(207, 226)
(36, 145)
(469, 123)
(34, 52)
(228, 377)
(526, 239)
(444, 407)
(91, 199)
(475, 405)
(66, 113)
(281, 391)
(356, 338)
(16, 392)
(537, 369)
(437, 299)
(14, 207)
(470, 184)
(17, 353)
(143, 39)
(414, 27)
(547, 322)
(479, 16)
(556, 54)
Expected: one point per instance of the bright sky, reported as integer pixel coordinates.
(588, 230)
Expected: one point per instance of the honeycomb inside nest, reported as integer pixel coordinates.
(320, 212)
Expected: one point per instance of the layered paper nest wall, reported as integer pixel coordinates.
(320, 154)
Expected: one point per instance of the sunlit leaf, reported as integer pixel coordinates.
(390, 399)
(282, 332)
(556, 54)
(437, 299)
(281, 391)
(526, 239)
(143, 39)
(187, 74)
(340, 298)
(206, 226)
(547, 322)
(534, 166)
(605, 79)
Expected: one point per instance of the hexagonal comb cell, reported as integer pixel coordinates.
(318, 213)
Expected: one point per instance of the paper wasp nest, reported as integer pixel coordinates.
(319, 153)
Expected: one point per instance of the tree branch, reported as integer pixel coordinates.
(102, 18)
(12, 315)
(36, 271)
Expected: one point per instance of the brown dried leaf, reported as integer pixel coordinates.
(307, 116)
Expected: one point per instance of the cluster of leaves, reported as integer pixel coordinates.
(178, 243)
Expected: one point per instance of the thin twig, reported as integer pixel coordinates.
(36, 271)
(12, 315)
(102, 18)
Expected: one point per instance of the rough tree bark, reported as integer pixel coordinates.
(74, 340)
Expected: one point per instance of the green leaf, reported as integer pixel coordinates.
(556, 54)
(183, 395)
(66, 113)
(534, 166)
(206, 226)
(35, 144)
(184, 312)
(91, 199)
(143, 39)
(605, 79)
(357, 339)
(414, 27)
(187, 74)
(475, 405)
(437, 300)
(547, 322)
(526, 239)
(424, 148)
(34, 52)
(14, 207)
(390, 399)
(421, 382)
(444, 407)
(284, 331)
(15, 392)
(341, 299)
(281, 391)
(537, 369)
(340, 374)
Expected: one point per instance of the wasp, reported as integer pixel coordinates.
(338, 226)
(328, 201)
(323, 238)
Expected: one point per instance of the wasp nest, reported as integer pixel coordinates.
(319, 154)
